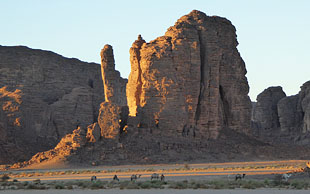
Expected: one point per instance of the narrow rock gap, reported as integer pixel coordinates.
(225, 105)
(56, 130)
(202, 86)
(139, 85)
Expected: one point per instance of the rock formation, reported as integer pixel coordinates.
(265, 112)
(113, 112)
(67, 145)
(294, 114)
(114, 84)
(43, 97)
(190, 82)
(187, 101)
(304, 106)
(286, 118)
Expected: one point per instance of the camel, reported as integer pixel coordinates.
(115, 178)
(134, 177)
(307, 170)
(93, 178)
(162, 177)
(308, 164)
(285, 177)
(154, 176)
(239, 176)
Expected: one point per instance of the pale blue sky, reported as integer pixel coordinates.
(273, 36)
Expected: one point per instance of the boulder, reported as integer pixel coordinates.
(93, 133)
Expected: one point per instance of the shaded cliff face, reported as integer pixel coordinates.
(294, 115)
(43, 96)
(190, 82)
(265, 112)
(280, 118)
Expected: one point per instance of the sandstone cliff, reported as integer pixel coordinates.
(43, 97)
(282, 119)
(265, 113)
(190, 82)
(187, 101)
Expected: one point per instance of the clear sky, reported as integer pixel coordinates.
(273, 35)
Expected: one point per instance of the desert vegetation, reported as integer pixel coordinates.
(177, 177)
(157, 184)
(185, 168)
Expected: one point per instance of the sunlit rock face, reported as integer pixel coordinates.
(111, 119)
(43, 97)
(191, 81)
(114, 84)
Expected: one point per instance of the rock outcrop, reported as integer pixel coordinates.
(113, 112)
(190, 82)
(187, 101)
(114, 84)
(283, 119)
(289, 118)
(265, 113)
(64, 149)
(304, 106)
(43, 97)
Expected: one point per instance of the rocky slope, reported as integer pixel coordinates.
(43, 97)
(279, 118)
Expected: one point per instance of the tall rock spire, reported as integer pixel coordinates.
(134, 86)
(114, 84)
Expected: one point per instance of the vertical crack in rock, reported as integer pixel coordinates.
(202, 77)
(56, 130)
(225, 106)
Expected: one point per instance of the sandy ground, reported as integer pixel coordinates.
(173, 176)
(167, 170)
(63, 166)
(162, 191)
